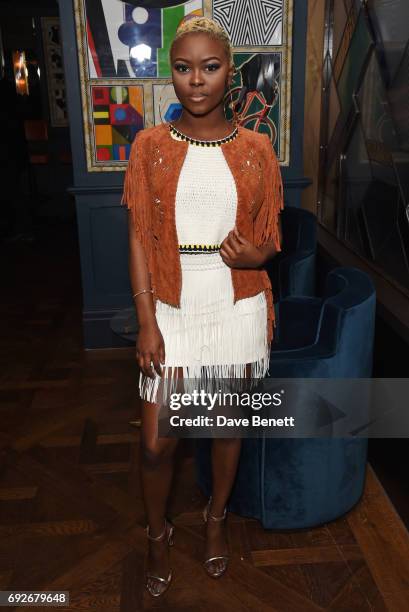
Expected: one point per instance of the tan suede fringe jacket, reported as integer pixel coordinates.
(149, 193)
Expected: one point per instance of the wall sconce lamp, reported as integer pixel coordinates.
(20, 72)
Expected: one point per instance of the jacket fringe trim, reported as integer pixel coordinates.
(266, 222)
(135, 197)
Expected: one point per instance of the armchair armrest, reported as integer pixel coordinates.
(297, 321)
(296, 273)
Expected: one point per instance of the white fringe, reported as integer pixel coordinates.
(209, 379)
(208, 336)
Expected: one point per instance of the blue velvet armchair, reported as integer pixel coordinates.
(303, 482)
(292, 271)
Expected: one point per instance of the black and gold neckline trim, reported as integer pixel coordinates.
(204, 143)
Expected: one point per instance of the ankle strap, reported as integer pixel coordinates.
(159, 537)
(215, 518)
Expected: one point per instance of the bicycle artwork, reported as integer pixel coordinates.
(255, 93)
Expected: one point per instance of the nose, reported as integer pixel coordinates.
(196, 77)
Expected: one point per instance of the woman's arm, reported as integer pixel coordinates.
(237, 252)
(149, 345)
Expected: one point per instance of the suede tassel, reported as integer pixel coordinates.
(266, 226)
(136, 197)
(266, 223)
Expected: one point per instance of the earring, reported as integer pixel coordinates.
(225, 105)
(232, 108)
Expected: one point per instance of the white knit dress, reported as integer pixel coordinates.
(208, 336)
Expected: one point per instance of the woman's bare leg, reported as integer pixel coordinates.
(225, 459)
(157, 460)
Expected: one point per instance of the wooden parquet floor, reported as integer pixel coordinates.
(71, 511)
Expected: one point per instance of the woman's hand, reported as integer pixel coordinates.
(150, 347)
(237, 252)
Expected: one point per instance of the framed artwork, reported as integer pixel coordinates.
(251, 23)
(117, 112)
(55, 72)
(256, 104)
(166, 106)
(132, 39)
(126, 85)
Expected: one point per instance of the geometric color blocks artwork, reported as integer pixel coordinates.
(118, 115)
(131, 39)
(165, 103)
(126, 80)
(250, 23)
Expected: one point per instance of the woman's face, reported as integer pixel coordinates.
(200, 72)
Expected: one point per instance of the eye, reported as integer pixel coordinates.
(181, 67)
(212, 67)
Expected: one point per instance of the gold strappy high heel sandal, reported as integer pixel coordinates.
(160, 538)
(225, 558)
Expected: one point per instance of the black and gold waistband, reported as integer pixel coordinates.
(199, 248)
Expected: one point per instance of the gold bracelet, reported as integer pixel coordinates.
(143, 291)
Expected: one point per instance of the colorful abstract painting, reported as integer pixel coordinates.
(166, 106)
(125, 77)
(132, 40)
(118, 115)
(255, 96)
(251, 23)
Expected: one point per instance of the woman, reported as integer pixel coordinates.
(204, 198)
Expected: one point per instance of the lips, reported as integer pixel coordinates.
(197, 97)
